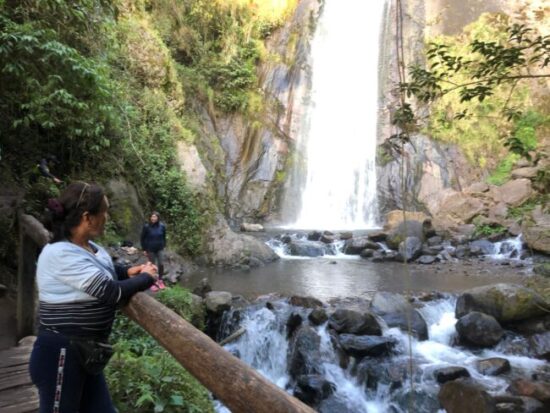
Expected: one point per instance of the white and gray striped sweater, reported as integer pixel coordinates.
(79, 291)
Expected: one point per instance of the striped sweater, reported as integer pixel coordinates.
(79, 291)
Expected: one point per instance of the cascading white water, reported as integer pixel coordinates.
(264, 346)
(340, 142)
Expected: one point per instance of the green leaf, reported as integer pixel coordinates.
(176, 400)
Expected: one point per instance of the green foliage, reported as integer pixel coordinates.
(154, 383)
(475, 85)
(150, 147)
(220, 43)
(486, 230)
(65, 90)
(383, 154)
(525, 209)
(232, 81)
(180, 301)
(51, 93)
(524, 137)
(143, 377)
(489, 63)
(542, 180)
(502, 172)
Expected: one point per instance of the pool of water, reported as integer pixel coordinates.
(327, 278)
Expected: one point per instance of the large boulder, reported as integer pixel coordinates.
(458, 208)
(312, 389)
(353, 322)
(354, 246)
(418, 327)
(445, 374)
(493, 366)
(396, 311)
(223, 247)
(403, 230)
(362, 346)
(514, 192)
(536, 389)
(465, 395)
(536, 231)
(540, 345)
(306, 302)
(307, 248)
(304, 356)
(505, 302)
(395, 218)
(525, 172)
(479, 329)
(218, 301)
(125, 210)
(515, 404)
(409, 249)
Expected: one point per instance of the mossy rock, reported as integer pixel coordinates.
(505, 302)
(542, 269)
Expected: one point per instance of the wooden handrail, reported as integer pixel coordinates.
(237, 385)
(34, 229)
(32, 237)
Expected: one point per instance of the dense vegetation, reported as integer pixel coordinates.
(102, 85)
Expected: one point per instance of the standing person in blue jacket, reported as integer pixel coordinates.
(153, 241)
(79, 290)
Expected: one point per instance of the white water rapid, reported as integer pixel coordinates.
(265, 347)
(341, 131)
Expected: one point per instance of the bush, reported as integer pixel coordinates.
(54, 98)
(501, 174)
(154, 383)
(486, 230)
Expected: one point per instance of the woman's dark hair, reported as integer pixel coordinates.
(154, 213)
(66, 211)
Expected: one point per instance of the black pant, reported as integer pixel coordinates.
(157, 258)
(63, 386)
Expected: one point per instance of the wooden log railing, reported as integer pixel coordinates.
(32, 237)
(237, 385)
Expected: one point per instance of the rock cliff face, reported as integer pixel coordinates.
(430, 168)
(254, 149)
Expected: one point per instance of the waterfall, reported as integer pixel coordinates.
(340, 132)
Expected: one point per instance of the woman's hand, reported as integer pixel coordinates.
(135, 270)
(151, 269)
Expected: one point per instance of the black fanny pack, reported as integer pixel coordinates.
(92, 355)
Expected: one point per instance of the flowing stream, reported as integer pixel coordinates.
(339, 138)
(264, 346)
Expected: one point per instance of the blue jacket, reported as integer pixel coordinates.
(153, 237)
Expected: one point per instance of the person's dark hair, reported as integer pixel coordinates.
(154, 213)
(66, 211)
